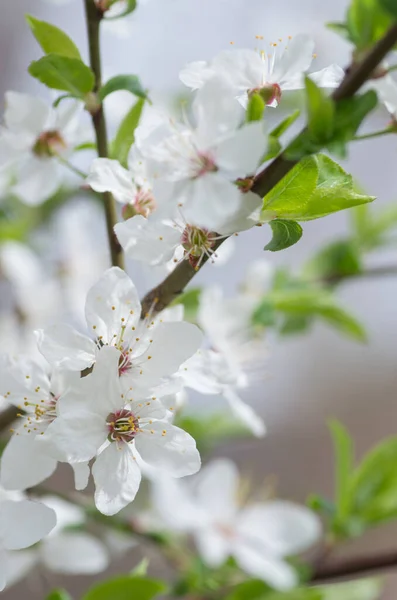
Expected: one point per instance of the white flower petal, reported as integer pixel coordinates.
(19, 563)
(296, 58)
(24, 523)
(117, 478)
(210, 200)
(65, 347)
(111, 303)
(81, 475)
(216, 111)
(173, 343)
(212, 546)
(24, 463)
(195, 74)
(148, 241)
(245, 413)
(329, 77)
(74, 553)
(105, 388)
(4, 569)
(246, 216)
(38, 179)
(216, 488)
(256, 563)
(244, 69)
(283, 527)
(108, 175)
(25, 112)
(168, 448)
(241, 153)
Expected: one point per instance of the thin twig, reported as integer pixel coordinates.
(93, 18)
(356, 75)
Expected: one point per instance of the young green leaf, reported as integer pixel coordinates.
(191, 302)
(349, 114)
(124, 588)
(335, 261)
(52, 39)
(364, 589)
(320, 112)
(141, 569)
(390, 6)
(130, 6)
(343, 449)
(255, 109)
(59, 595)
(285, 234)
(374, 484)
(288, 199)
(255, 589)
(131, 83)
(125, 135)
(63, 73)
(341, 29)
(367, 22)
(285, 124)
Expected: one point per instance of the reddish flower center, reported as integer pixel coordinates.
(125, 363)
(205, 164)
(269, 92)
(49, 143)
(122, 426)
(143, 204)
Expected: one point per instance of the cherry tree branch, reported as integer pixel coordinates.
(162, 295)
(93, 17)
(355, 567)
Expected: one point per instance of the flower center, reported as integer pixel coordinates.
(196, 243)
(143, 204)
(44, 412)
(125, 362)
(269, 92)
(49, 143)
(122, 426)
(205, 164)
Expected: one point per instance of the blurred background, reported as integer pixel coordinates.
(310, 377)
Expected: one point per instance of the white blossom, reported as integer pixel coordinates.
(195, 168)
(25, 462)
(33, 135)
(150, 349)
(267, 72)
(23, 523)
(259, 536)
(99, 420)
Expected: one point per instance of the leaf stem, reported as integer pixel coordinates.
(93, 19)
(71, 167)
(375, 134)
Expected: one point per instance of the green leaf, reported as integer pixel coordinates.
(374, 485)
(285, 234)
(334, 191)
(390, 6)
(311, 302)
(60, 99)
(191, 302)
(273, 148)
(343, 449)
(126, 588)
(349, 115)
(285, 124)
(130, 83)
(130, 7)
(367, 22)
(298, 594)
(364, 589)
(52, 39)
(59, 594)
(63, 73)
(289, 196)
(255, 109)
(335, 261)
(320, 111)
(141, 569)
(125, 135)
(255, 589)
(341, 29)
(210, 430)
(372, 228)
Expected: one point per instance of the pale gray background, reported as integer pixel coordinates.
(310, 378)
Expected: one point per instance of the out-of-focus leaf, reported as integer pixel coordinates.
(126, 588)
(367, 22)
(285, 234)
(63, 73)
(343, 449)
(210, 430)
(255, 108)
(130, 83)
(141, 569)
(320, 111)
(335, 261)
(125, 135)
(190, 301)
(285, 124)
(52, 39)
(130, 6)
(59, 595)
(363, 589)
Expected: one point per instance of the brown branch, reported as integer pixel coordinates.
(93, 18)
(356, 75)
(355, 567)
